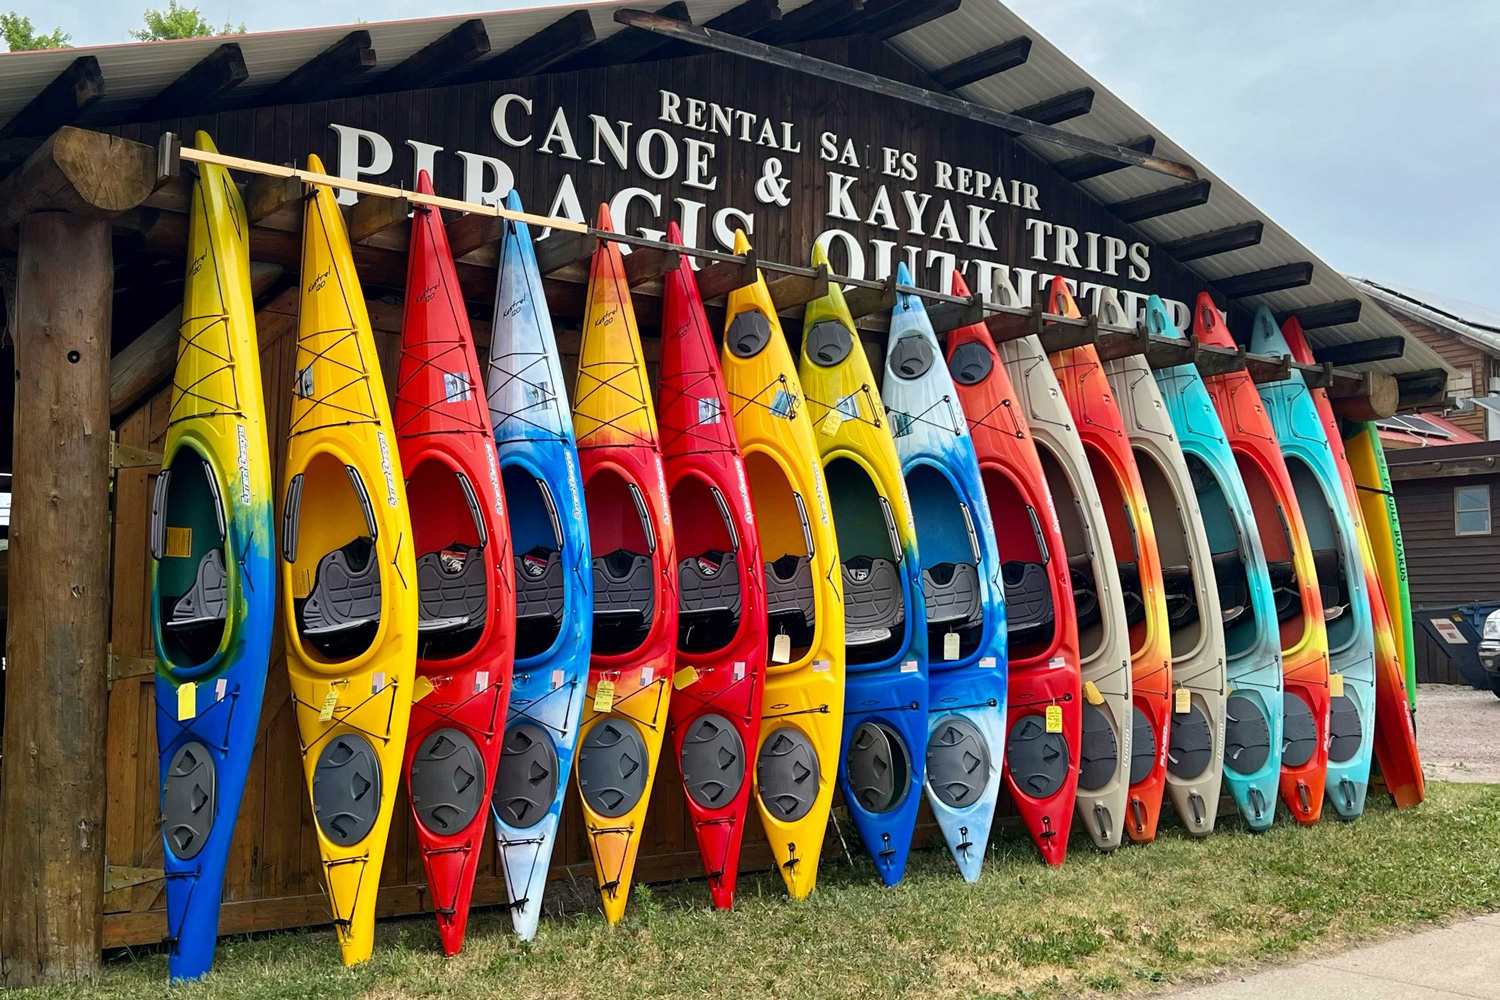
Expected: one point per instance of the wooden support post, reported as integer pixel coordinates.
(562, 249)
(1213, 360)
(52, 790)
(1169, 352)
(52, 794)
(1059, 336)
(1115, 344)
(947, 316)
(865, 301)
(468, 233)
(722, 277)
(1269, 369)
(1013, 326)
(370, 217)
(1368, 396)
(649, 263)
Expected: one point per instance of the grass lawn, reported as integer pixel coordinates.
(1123, 924)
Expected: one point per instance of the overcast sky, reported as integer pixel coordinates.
(1369, 129)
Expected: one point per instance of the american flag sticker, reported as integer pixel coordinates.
(987, 663)
(557, 679)
(220, 688)
(481, 680)
(377, 683)
(739, 670)
(820, 666)
(909, 667)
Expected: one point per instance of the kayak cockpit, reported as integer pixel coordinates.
(452, 577)
(950, 563)
(708, 567)
(786, 544)
(870, 549)
(1030, 614)
(624, 579)
(187, 539)
(536, 536)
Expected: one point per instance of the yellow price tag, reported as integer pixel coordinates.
(179, 542)
(330, 702)
(781, 649)
(421, 689)
(950, 646)
(1054, 718)
(1184, 702)
(604, 696)
(686, 677)
(830, 424)
(187, 701)
(1335, 685)
(1091, 694)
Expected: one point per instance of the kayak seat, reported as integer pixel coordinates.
(539, 600)
(1085, 591)
(790, 606)
(1182, 596)
(341, 614)
(206, 603)
(1329, 564)
(451, 600)
(708, 610)
(952, 592)
(624, 600)
(1029, 612)
(1234, 590)
(1130, 587)
(1285, 590)
(873, 606)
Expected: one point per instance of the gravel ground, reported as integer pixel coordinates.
(1458, 733)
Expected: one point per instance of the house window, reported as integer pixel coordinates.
(1471, 510)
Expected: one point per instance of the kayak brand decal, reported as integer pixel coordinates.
(385, 468)
(495, 490)
(875, 181)
(243, 440)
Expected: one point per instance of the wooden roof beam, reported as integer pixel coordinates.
(1317, 317)
(61, 102)
(439, 61)
(1422, 388)
(330, 74)
(983, 65)
(1061, 108)
(1081, 168)
(746, 19)
(629, 44)
(564, 37)
(83, 172)
(1362, 351)
(1164, 202)
(213, 76)
(799, 63)
(1214, 242)
(1266, 280)
(808, 20)
(901, 17)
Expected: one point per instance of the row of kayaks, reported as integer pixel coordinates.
(916, 576)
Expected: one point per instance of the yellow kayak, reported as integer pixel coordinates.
(797, 757)
(635, 579)
(885, 618)
(348, 577)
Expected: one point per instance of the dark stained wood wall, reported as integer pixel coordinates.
(1443, 568)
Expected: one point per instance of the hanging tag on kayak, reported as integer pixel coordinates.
(1184, 702)
(648, 675)
(739, 670)
(481, 680)
(1091, 693)
(220, 688)
(330, 702)
(179, 542)
(950, 645)
(830, 424)
(187, 701)
(1335, 685)
(686, 677)
(988, 663)
(909, 666)
(784, 405)
(1054, 718)
(781, 649)
(421, 689)
(604, 696)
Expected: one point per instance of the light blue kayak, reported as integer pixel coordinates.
(1341, 573)
(961, 582)
(1252, 640)
(554, 583)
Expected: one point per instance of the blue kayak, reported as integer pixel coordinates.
(1340, 569)
(961, 583)
(554, 581)
(1252, 642)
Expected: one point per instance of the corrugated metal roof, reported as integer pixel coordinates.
(135, 72)
(1476, 324)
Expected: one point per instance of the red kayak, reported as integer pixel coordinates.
(1294, 579)
(1132, 534)
(714, 716)
(467, 612)
(1045, 716)
(1395, 739)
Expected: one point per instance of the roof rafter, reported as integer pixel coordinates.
(1266, 280)
(983, 65)
(1163, 202)
(440, 60)
(568, 35)
(213, 76)
(330, 74)
(61, 102)
(1215, 241)
(1061, 108)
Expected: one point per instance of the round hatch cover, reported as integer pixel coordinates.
(1038, 759)
(878, 767)
(911, 357)
(713, 761)
(346, 789)
(748, 334)
(613, 768)
(970, 363)
(526, 777)
(786, 773)
(958, 762)
(828, 343)
(447, 781)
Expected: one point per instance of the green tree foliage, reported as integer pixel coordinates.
(180, 22)
(21, 36)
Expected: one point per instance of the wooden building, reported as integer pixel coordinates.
(916, 130)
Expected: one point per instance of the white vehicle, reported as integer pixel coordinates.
(1489, 650)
